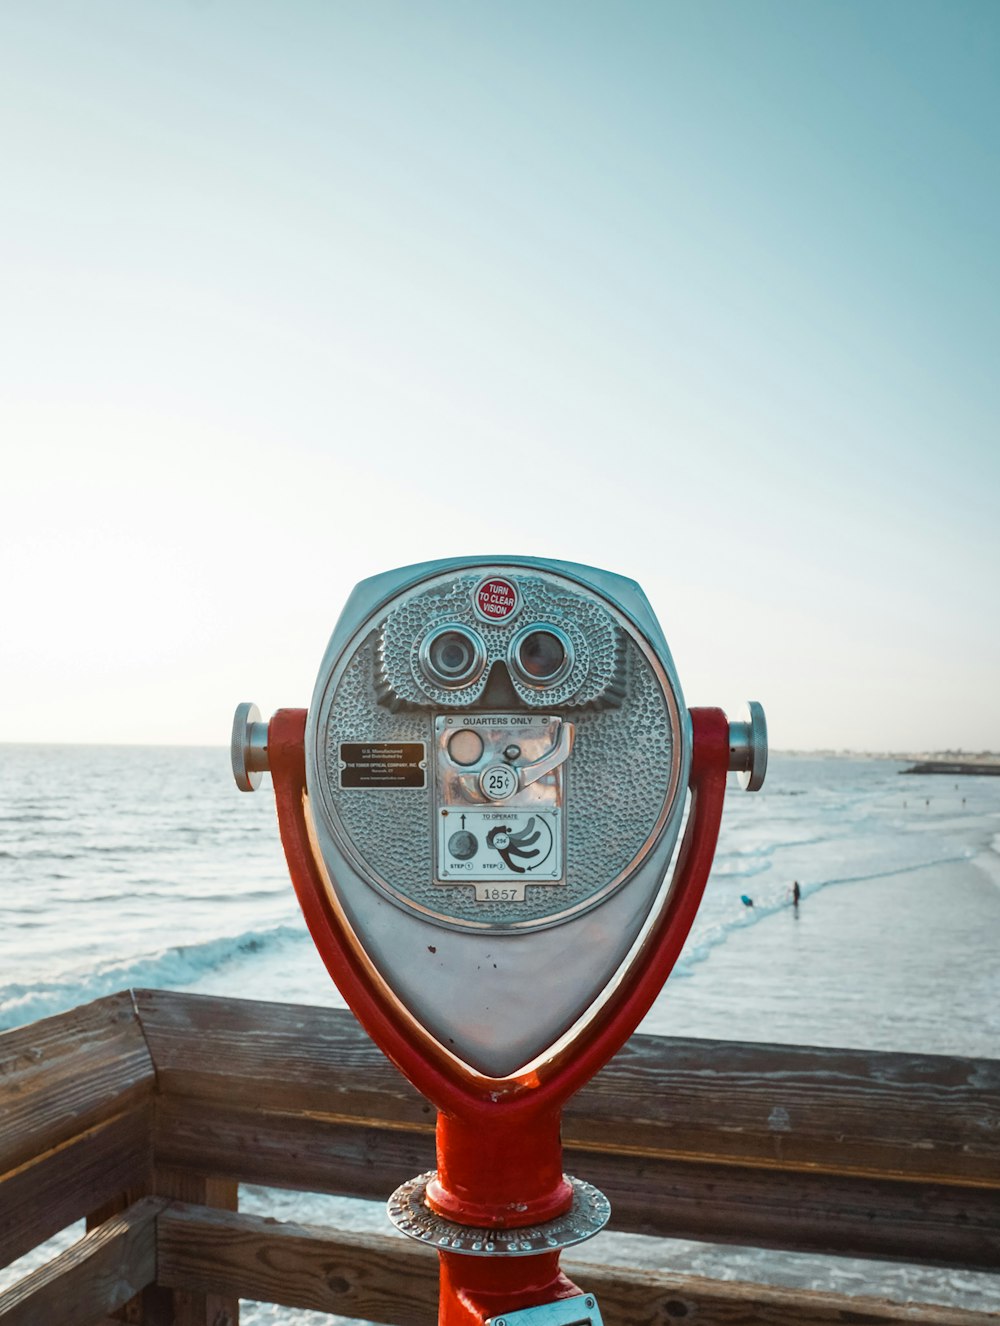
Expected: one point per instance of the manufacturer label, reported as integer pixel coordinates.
(496, 599)
(383, 764)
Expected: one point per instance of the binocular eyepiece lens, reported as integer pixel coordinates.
(453, 656)
(542, 655)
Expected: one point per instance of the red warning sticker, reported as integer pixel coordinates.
(496, 599)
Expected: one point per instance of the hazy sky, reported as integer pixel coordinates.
(704, 293)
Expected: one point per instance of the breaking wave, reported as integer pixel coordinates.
(169, 968)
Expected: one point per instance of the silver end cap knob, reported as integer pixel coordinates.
(248, 748)
(748, 748)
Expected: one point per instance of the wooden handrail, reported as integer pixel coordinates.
(66, 1073)
(775, 1146)
(180, 1096)
(76, 1115)
(93, 1278)
(385, 1278)
(847, 1112)
(380, 1278)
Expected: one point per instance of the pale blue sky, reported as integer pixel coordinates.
(705, 293)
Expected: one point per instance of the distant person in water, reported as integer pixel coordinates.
(796, 895)
(747, 902)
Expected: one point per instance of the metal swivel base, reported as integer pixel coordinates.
(409, 1212)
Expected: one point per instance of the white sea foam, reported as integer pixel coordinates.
(989, 860)
(179, 967)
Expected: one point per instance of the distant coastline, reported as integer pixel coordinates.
(968, 766)
(944, 761)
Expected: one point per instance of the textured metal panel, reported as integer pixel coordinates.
(593, 678)
(391, 829)
(619, 780)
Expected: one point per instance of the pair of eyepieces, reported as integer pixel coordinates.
(455, 655)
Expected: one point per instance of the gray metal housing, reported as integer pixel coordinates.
(499, 984)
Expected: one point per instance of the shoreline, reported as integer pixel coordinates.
(863, 965)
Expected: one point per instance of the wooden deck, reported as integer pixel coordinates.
(144, 1111)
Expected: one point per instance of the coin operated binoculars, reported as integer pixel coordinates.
(479, 811)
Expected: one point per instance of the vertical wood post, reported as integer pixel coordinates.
(181, 1307)
(132, 1313)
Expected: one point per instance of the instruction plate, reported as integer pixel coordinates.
(500, 847)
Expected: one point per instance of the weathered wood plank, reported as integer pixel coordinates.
(806, 1211)
(64, 1074)
(382, 1279)
(91, 1279)
(845, 1215)
(312, 1153)
(70, 1181)
(392, 1280)
(658, 1298)
(787, 1107)
(283, 1056)
(846, 1111)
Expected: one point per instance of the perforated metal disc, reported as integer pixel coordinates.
(409, 1212)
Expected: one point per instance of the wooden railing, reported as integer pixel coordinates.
(143, 1112)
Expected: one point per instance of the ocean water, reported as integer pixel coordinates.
(131, 866)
